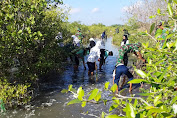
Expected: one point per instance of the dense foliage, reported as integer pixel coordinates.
(27, 35)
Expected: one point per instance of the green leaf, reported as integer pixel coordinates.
(102, 115)
(80, 93)
(115, 100)
(20, 31)
(175, 1)
(93, 94)
(154, 110)
(167, 115)
(130, 111)
(106, 85)
(74, 101)
(169, 1)
(64, 91)
(114, 88)
(105, 101)
(97, 98)
(135, 103)
(162, 76)
(152, 28)
(39, 33)
(70, 87)
(158, 11)
(174, 100)
(135, 81)
(141, 73)
(175, 46)
(158, 33)
(152, 16)
(156, 99)
(169, 36)
(83, 103)
(113, 116)
(114, 106)
(170, 9)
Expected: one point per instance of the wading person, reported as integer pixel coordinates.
(125, 41)
(79, 35)
(78, 52)
(93, 57)
(121, 68)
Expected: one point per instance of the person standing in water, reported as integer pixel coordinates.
(78, 52)
(125, 41)
(93, 57)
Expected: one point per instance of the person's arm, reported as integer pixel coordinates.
(140, 56)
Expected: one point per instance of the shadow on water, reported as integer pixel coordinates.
(51, 103)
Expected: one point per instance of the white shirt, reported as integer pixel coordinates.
(76, 42)
(94, 54)
(122, 43)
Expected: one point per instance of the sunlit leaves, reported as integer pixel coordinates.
(170, 10)
(158, 33)
(83, 103)
(130, 111)
(93, 94)
(74, 101)
(152, 28)
(114, 88)
(80, 93)
(141, 73)
(106, 85)
(64, 91)
(98, 97)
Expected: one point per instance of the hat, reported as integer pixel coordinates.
(78, 29)
(73, 36)
(98, 44)
(91, 39)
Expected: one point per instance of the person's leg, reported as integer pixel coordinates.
(118, 72)
(129, 75)
(84, 63)
(101, 57)
(88, 67)
(76, 63)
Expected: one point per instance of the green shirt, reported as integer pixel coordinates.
(127, 48)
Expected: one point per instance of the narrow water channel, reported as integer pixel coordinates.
(51, 103)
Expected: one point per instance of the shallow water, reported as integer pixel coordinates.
(51, 103)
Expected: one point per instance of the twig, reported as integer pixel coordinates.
(151, 37)
(90, 115)
(124, 97)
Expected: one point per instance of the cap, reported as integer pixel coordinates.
(91, 39)
(78, 29)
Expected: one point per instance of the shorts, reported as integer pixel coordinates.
(120, 70)
(91, 66)
(102, 56)
(76, 59)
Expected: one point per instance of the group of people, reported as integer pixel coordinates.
(121, 68)
(96, 52)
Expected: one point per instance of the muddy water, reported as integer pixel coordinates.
(51, 103)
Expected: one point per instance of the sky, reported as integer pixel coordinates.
(107, 12)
